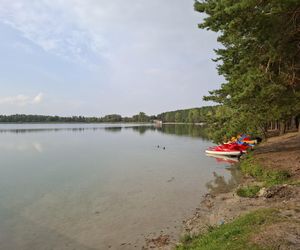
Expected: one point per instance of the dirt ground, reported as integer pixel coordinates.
(280, 153)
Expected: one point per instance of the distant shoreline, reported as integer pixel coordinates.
(191, 116)
(142, 123)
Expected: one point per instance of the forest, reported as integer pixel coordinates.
(22, 118)
(194, 115)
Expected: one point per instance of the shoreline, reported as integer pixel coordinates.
(216, 210)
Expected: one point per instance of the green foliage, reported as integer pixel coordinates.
(249, 191)
(260, 60)
(20, 118)
(141, 117)
(234, 235)
(178, 117)
(186, 238)
(112, 118)
(276, 177)
(269, 177)
(194, 115)
(224, 122)
(248, 166)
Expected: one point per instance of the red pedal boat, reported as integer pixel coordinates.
(231, 149)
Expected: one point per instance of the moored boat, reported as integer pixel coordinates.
(230, 149)
(223, 152)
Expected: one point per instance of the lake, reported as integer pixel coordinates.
(101, 186)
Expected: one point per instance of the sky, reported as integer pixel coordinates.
(97, 57)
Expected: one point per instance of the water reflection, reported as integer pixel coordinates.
(38, 147)
(223, 158)
(112, 129)
(220, 185)
(172, 129)
(184, 130)
(89, 190)
(36, 130)
(142, 129)
(22, 146)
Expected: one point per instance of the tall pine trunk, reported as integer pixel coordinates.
(293, 123)
(282, 127)
(264, 131)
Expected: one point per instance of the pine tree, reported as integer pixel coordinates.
(260, 58)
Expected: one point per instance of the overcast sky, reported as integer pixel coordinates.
(96, 57)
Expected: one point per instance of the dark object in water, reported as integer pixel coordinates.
(164, 148)
(158, 146)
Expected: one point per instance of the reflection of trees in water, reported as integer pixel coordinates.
(142, 129)
(185, 130)
(172, 129)
(35, 130)
(220, 185)
(113, 129)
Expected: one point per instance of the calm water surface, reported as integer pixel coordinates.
(98, 186)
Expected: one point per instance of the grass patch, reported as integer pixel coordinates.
(186, 239)
(234, 235)
(276, 177)
(269, 177)
(249, 191)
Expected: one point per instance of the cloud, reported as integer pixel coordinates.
(140, 51)
(21, 100)
(54, 26)
(91, 31)
(38, 99)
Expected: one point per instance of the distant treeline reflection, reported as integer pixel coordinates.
(176, 129)
(172, 129)
(185, 130)
(191, 130)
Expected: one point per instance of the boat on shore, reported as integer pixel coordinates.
(232, 149)
(235, 147)
(223, 152)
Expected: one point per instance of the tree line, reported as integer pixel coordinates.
(260, 61)
(194, 115)
(22, 118)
